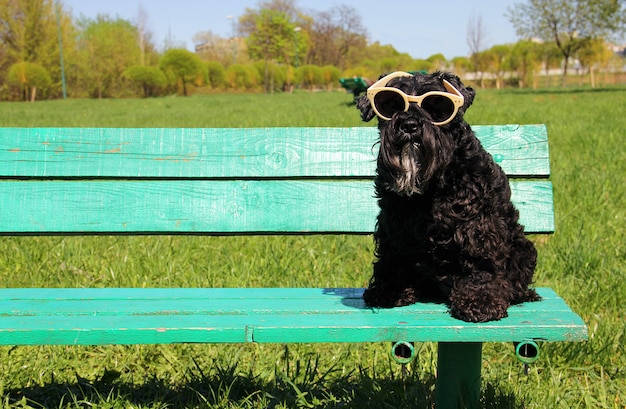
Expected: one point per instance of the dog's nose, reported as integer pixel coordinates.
(409, 126)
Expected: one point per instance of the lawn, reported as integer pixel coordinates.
(584, 261)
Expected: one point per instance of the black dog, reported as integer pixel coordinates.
(447, 229)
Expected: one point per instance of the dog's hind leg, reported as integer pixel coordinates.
(521, 269)
(389, 287)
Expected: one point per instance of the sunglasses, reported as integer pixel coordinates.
(441, 106)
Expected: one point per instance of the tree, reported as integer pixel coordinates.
(143, 36)
(569, 23)
(525, 59)
(272, 40)
(30, 77)
(291, 33)
(497, 61)
(29, 33)
(248, 21)
(335, 35)
(461, 65)
(379, 59)
(550, 58)
(475, 37)
(181, 65)
(24, 26)
(421, 65)
(351, 32)
(226, 51)
(438, 62)
(594, 54)
(108, 47)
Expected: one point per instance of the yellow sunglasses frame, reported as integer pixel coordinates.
(381, 85)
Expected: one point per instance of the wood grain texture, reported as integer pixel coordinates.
(217, 206)
(233, 152)
(140, 316)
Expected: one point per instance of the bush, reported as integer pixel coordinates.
(30, 77)
(388, 65)
(363, 72)
(182, 67)
(310, 76)
(276, 75)
(330, 76)
(216, 74)
(242, 77)
(150, 79)
(291, 78)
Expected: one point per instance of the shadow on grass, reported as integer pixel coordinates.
(230, 391)
(227, 388)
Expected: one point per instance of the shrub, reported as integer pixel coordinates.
(30, 77)
(310, 76)
(362, 71)
(216, 74)
(273, 75)
(330, 76)
(150, 79)
(242, 77)
(181, 66)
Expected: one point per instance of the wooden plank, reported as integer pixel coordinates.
(521, 150)
(164, 329)
(535, 203)
(8, 296)
(233, 152)
(248, 301)
(29, 317)
(216, 207)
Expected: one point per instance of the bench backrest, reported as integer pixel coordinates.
(354, 84)
(224, 180)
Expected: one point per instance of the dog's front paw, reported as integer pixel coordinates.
(478, 309)
(479, 314)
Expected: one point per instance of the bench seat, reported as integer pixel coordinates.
(266, 315)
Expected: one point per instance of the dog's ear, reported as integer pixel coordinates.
(363, 104)
(467, 92)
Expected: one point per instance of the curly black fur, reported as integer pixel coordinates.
(447, 229)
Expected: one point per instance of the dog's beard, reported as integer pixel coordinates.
(403, 170)
(407, 163)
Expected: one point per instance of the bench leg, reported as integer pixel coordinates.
(458, 375)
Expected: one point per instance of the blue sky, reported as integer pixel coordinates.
(420, 28)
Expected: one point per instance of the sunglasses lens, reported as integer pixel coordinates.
(388, 103)
(439, 107)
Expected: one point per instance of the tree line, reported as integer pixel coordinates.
(276, 46)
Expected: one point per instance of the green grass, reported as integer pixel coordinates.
(584, 261)
(222, 110)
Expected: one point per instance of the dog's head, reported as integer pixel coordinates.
(418, 118)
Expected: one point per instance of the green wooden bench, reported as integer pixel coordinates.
(279, 181)
(355, 85)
